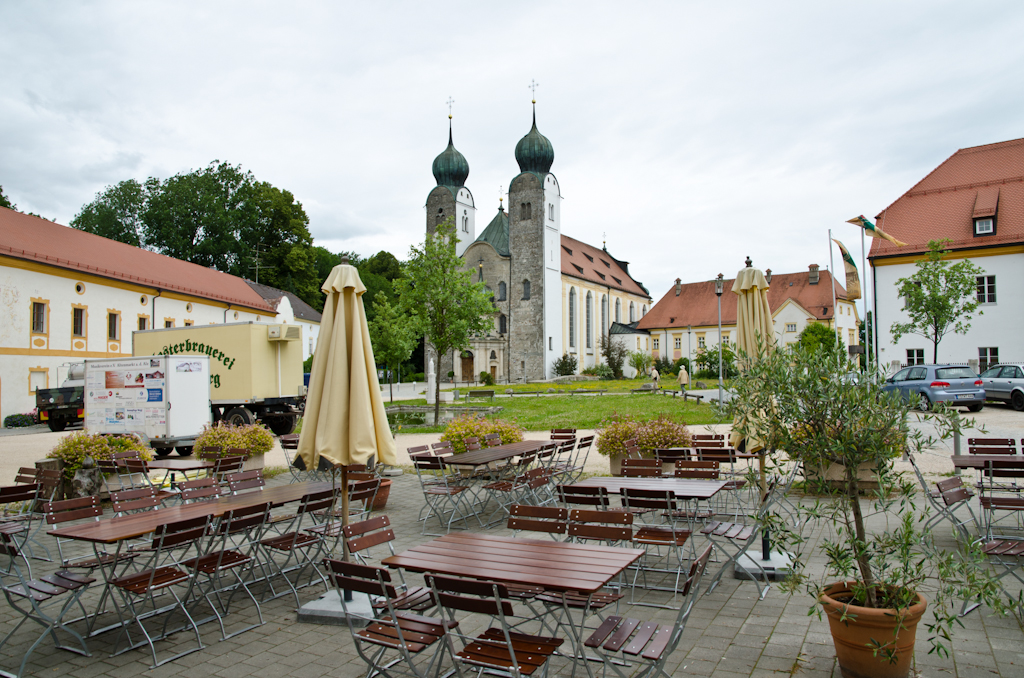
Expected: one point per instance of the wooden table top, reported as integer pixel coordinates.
(179, 464)
(684, 488)
(981, 461)
(113, 530)
(488, 455)
(555, 565)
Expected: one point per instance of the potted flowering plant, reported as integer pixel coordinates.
(883, 569)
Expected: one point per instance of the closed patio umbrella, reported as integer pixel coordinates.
(345, 421)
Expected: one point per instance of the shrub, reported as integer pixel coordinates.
(600, 370)
(649, 434)
(253, 437)
(486, 379)
(18, 420)
(73, 449)
(641, 362)
(461, 428)
(664, 366)
(566, 365)
(614, 354)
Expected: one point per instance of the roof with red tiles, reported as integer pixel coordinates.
(34, 239)
(586, 262)
(697, 305)
(973, 182)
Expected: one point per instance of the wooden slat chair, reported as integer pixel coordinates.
(697, 470)
(711, 439)
(641, 468)
(225, 466)
(632, 450)
(245, 480)
(991, 446)
(19, 501)
(498, 648)
(83, 508)
(563, 433)
(1000, 493)
(579, 463)
(526, 488)
(611, 527)
(734, 538)
(492, 439)
(301, 549)
(390, 631)
(48, 481)
(563, 460)
(135, 475)
(663, 543)
(551, 520)
(44, 601)
(135, 501)
(1007, 554)
(209, 452)
(108, 467)
(472, 443)
(946, 498)
(139, 590)
(200, 489)
(571, 495)
(620, 641)
(232, 552)
(442, 498)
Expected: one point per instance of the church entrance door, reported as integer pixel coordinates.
(494, 372)
(467, 367)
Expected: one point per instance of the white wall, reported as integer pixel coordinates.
(1000, 326)
(553, 311)
(310, 330)
(464, 206)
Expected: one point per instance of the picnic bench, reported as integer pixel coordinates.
(695, 396)
(644, 388)
(487, 393)
(524, 393)
(584, 391)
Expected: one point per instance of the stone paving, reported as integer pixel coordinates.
(730, 634)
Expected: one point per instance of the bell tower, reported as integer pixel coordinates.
(450, 199)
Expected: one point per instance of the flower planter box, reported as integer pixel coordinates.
(835, 475)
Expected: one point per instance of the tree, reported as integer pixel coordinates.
(565, 366)
(707, 360)
(452, 307)
(940, 297)
(393, 334)
(116, 212)
(5, 201)
(614, 354)
(820, 337)
(640, 361)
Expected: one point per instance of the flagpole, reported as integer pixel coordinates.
(832, 283)
(867, 299)
(874, 297)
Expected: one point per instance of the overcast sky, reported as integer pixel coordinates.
(693, 134)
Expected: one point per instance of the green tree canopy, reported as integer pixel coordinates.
(452, 307)
(5, 201)
(939, 297)
(394, 333)
(820, 337)
(116, 212)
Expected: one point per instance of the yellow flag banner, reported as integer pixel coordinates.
(874, 231)
(852, 279)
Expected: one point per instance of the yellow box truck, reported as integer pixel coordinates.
(255, 368)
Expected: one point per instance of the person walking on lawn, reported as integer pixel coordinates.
(655, 377)
(684, 379)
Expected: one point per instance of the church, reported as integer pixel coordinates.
(553, 294)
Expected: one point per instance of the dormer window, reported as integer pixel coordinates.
(985, 226)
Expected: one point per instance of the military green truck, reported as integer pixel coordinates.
(59, 407)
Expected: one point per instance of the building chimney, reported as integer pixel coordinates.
(813, 276)
(679, 286)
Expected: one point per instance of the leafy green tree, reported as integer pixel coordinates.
(393, 333)
(641, 362)
(820, 337)
(565, 366)
(940, 297)
(5, 201)
(614, 354)
(116, 212)
(441, 291)
(706, 359)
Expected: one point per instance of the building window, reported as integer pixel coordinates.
(311, 346)
(618, 310)
(590, 322)
(188, 323)
(852, 339)
(986, 226)
(700, 341)
(551, 212)
(526, 210)
(678, 343)
(143, 322)
(987, 357)
(643, 311)
(38, 377)
(656, 344)
(632, 312)
(113, 326)
(38, 317)
(501, 290)
(526, 289)
(78, 322)
(986, 289)
(494, 356)
(572, 317)
(915, 356)
(791, 327)
(168, 322)
(502, 324)
(551, 343)
(604, 314)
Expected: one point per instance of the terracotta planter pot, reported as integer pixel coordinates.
(381, 500)
(853, 636)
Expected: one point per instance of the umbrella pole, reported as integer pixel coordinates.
(344, 522)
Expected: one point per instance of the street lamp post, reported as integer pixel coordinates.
(719, 288)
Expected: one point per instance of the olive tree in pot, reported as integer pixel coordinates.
(881, 565)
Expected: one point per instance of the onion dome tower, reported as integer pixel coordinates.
(450, 201)
(534, 152)
(450, 167)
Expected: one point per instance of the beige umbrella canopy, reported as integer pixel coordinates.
(755, 332)
(345, 422)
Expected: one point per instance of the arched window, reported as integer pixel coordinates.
(604, 314)
(526, 289)
(494, 356)
(632, 312)
(618, 310)
(525, 210)
(590, 302)
(643, 310)
(572, 317)
(502, 324)
(501, 290)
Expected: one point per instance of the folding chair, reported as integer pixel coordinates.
(571, 495)
(225, 466)
(245, 480)
(135, 501)
(1007, 554)
(641, 468)
(563, 433)
(522, 489)
(611, 527)
(139, 590)
(67, 510)
(131, 469)
(551, 520)
(733, 539)
(949, 495)
(394, 640)
(301, 548)
(200, 489)
(496, 649)
(492, 439)
(621, 640)
(442, 497)
(233, 551)
(209, 452)
(631, 451)
(694, 469)
(653, 538)
(583, 446)
(46, 482)
(45, 601)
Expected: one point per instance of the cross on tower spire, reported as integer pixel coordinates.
(533, 88)
(450, 102)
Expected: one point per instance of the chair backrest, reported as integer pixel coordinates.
(373, 581)
(131, 501)
(245, 519)
(671, 456)
(419, 449)
(228, 464)
(707, 470)
(550, 519)
(209, 452)
(472, 439)
(201, 489)
(471, 595)
(952, 490)
(492, 439)
(563, 431)
(470, 447)
(725, 455)
(601, 525)
(632, 449)
(991, 446)
(179, 534)
(659, 500)
(135, 465)
(363, 490)
(366, 534)
(707, 436)
(25, 476)
(245, 480)
(696, 572)
(66, 510)
(442, 446)
(317, 501)
(583, 496)
(20, 494)
(641, 468)
(237, 452)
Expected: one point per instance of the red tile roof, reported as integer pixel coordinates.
(697, 305)
(34, 239)
(589, 263)
(976, 181)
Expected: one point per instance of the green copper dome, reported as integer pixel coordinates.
(450, 168)
(534, 152)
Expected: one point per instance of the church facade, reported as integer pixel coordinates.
(553, 294)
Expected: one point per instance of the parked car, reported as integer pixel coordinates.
(1005, 383)
(955, 384)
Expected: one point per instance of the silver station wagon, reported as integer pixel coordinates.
(953, 384)
(1005, 383)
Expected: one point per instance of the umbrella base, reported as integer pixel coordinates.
(328, 610)
(776, 568)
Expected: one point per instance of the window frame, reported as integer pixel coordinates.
(590, 321)
(115, 316)
(38, 369)
(791, 327)
(75, 310)
(980, 220)
(985, 290)
(44, 305)
(526, 290)
(915, 356)
(572, 317)
(144, 318)
(988, 356)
